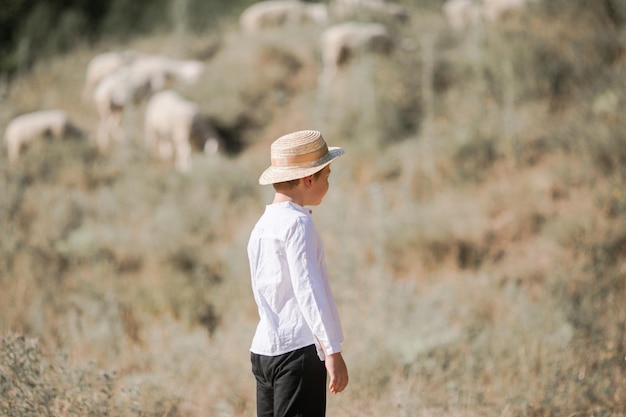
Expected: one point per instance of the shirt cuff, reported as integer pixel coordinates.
(331, 347)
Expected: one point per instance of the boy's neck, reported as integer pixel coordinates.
(292, 196)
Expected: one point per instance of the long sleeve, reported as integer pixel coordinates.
(305, 256)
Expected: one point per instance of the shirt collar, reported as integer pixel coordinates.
(291, 205)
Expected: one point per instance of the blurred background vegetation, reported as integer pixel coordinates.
(34, 29)
(475, 231)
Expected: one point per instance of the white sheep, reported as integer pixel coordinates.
(102, 65)
(186, 71)
(28, 127)
(276, 13)
(341, 41)
(463, 14)
(171, 124)
(134, 83)
(346, 9)
(159, 70)
(110, 98)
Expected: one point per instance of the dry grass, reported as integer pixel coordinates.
(475, 241)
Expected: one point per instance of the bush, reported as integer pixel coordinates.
(32, 385)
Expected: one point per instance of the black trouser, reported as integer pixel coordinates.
(290, 385)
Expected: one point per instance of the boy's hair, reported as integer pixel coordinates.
(288, 185)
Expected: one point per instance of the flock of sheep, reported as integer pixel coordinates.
(340, 39)
(115, 80)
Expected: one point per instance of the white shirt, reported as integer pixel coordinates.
(290, 284)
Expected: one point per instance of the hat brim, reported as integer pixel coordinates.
(273, 174)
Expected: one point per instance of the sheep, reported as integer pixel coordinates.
(186, 71)
(102, 65)
(341, 41)
(346, 9)
(342, 8)
(135, 83)
(158, 70)
(110, 97)
(171, 123)
(463, 14)
(28, 127)
(275, 13)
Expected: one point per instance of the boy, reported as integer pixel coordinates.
(297, 342)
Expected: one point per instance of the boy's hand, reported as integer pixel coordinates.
(337, 371)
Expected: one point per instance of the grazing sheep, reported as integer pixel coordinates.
(463, 14)
(275, 13)
(342, 8)
(346, 9)
(102, 65)
(159, 70)
(341, 41)
(112, 94)
(186, 71)
(24, 129)
(171, 124)
(133, 84)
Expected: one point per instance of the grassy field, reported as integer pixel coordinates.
(475, 231)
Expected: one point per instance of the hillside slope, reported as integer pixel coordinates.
(475, 230)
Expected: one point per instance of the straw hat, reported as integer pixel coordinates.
(298, 155)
